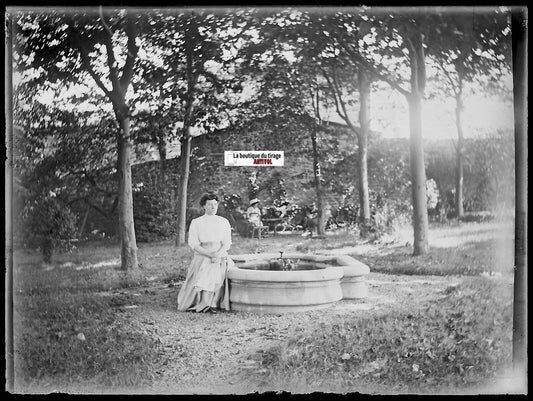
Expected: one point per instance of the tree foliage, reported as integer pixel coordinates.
(246, 79)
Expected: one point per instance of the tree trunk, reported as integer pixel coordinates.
(162, 149)
(47, 249)
(126, 225)
(321, 230)
(82, 228)
(184, 181)
(418, 178)
(418, 170)
(459, 159)
(185, 153)
(9, 332)
(364, 123)
(519, 31)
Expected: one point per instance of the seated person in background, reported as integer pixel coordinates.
(283, 209)
(253, 213)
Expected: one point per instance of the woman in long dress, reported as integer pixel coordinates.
(206, 286)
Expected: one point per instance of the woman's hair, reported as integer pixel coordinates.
(206, 197)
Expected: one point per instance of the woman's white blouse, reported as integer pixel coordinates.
(209, 229)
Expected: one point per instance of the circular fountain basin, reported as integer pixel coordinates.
(314, 282)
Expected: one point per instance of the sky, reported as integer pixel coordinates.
(481, 115)
(390, 116)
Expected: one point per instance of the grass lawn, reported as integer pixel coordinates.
(452, 345)
(65, 333)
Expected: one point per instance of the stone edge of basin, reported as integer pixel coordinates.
(351, 266)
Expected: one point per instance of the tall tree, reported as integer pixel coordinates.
(69, 45)
(191, 33)
(347, 84)
(315, 128)
(393, 47)
(10, 349)
(362, 132)
(194, 77)
(156, 115)
(474, 51)
(400, 38)
(520, 46)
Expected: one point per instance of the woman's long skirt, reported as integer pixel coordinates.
(206, 285)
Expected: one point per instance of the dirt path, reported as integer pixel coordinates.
(206, 353)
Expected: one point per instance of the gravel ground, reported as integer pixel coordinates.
(209, 353)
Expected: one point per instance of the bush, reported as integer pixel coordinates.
(489, 172)
(231, 202)
(343, 216)
(155, 218)
(48, 224)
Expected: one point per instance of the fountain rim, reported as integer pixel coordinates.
(329, 273)
(345, 267)
(286, 255)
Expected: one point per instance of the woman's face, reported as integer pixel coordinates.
(211, 207)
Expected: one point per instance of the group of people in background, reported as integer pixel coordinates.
(255, 214)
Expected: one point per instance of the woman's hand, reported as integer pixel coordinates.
(217, 255)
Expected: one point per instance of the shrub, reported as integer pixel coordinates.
(155, 218)
(432, 194)
(231, 202)
(344, 215)
(48, 224)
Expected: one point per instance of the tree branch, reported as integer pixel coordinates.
(421, 65)
(333, 90)
(79, 43)
(453, 143)
(214, 80)
(318, 103)
(108, 42)
(97, 208)
(104, 24)
(448, 76)
(413, 59)
(336, 92)
(312, 96)
(133, 49)
(360, 60)
(341, 101)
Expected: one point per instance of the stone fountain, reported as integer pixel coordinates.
(294, 282)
